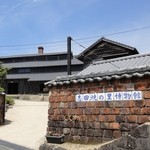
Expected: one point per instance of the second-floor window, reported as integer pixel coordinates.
(24, 70)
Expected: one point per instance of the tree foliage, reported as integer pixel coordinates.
(3, 72)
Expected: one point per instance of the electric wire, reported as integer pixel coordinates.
(78, 43)
(75, 40)
(115, 33)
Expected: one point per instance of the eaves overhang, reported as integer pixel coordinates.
(118, 74)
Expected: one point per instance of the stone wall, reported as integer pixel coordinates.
(101, 120)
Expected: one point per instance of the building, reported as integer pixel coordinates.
(27, 73)
(104, 49)
(105, 101)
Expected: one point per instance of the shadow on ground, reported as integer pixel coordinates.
(12, 146)
(7, 122)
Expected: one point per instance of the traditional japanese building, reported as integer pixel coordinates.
(105, 101)
(28, 73)
(104, 49)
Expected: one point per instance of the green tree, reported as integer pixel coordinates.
(3, 72)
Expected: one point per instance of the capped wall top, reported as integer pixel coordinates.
(129, 66)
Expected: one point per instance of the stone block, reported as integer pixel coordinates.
(87, 111)
(58, 124)
(120, 118)
(114, 126)
(54, 105)
(68, 138)
(140, 86)
(79, 111)
(146, 94)
(96, 125)
(95, 111)
(82, 118)
(142, 118)
(81, 104)
(135, 111)
(76, 138)
(139, 103)
(87, 125)
(82, 132)
(84, 139)
(126, 142)
(70, 98)
(110, 118)
(66, 131)
(105, 125)
(50, 111)
(61, 105)
(145, 111)
(131, 118)
(116, 134)
(124, 111)
(90, 132)
(121, 87)
(90, 118)
(115, 111)
(125, 127)
(147, 102)
(141, 131)
(90, 104)
(105, 111)
(74, 131)
(98, 133)
(72, 105)
(99, 104)
(101, 118)
(107, 134)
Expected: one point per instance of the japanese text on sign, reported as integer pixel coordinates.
(110, 96)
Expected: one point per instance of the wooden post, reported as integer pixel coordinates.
(69, 54)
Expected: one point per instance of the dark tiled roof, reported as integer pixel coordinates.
(118, 64)
(32, 55)
(135, 65)
(38, 76)
(108, 41)
(41, 63)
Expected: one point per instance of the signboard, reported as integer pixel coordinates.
(110, 96)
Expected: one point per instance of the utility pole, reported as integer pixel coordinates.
(69, 54)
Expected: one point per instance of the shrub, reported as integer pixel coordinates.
(9, 100)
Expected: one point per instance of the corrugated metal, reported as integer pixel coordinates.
(41, 63)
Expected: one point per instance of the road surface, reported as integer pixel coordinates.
(25, 126)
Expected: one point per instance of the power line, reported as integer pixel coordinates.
(115, 33)
(32, 44)
(78, 39)
(79, 44)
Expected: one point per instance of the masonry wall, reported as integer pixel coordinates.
(97, 121)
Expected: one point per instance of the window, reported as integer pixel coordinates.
(24, 70)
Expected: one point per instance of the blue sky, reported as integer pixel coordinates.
(34, 23)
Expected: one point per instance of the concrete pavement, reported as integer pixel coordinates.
(25, 126)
